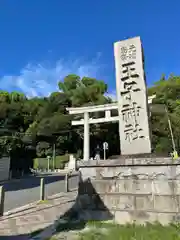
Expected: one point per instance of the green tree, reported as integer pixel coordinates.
(167, 95)
(85, 91)
(31, 127)
(43, 149)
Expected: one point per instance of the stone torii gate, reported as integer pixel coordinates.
(86, 121)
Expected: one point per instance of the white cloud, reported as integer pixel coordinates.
(41, 79)
(112, 95)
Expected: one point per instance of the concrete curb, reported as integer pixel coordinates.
(49, 231)
(29, 205)
(20, 209)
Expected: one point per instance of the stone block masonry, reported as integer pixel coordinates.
(142, 193)
(4, 168)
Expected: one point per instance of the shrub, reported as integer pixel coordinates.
(59, 163)
(35, 163)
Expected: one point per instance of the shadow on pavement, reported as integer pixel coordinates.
(88, 206)
(18, 237)
(30, 182)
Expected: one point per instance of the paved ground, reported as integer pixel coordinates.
(19, 225)
(25, 191)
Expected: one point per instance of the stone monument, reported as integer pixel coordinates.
(132, 103)
(132, 97)
(132, 189)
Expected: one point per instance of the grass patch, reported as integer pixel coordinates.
(43, 202)
(109, 231)
(33, 234)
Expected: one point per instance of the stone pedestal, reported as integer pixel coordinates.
(136, 189)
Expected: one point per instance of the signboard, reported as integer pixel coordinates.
(132, 97)
(105, 146)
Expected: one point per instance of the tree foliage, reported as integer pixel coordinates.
(168, 96)
(36, 124)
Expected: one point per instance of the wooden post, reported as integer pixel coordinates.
(2, 197)
(67, 182)
(42, 190)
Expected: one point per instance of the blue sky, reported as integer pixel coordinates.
(42, 41)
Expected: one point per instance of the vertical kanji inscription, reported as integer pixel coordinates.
(132, 98)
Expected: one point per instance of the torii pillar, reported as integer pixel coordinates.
(86, 148)
(86, 121)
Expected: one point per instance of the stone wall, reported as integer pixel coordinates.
(4, 168)
(137, 190)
